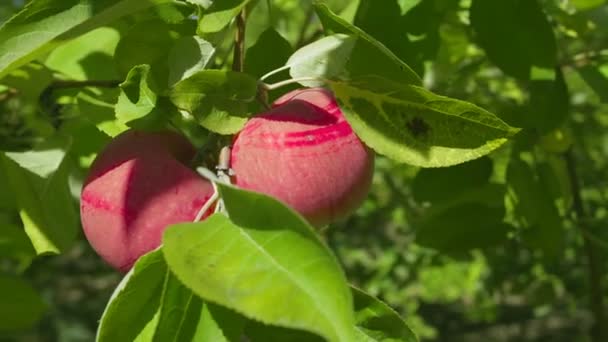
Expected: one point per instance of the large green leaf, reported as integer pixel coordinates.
(45, 24)
(376, 321)
(131, 310)
(20, 305)
(368, 56)
(39, 181)
(264, 262)
(322, 59)
(410, 124)
(515, 34)
(218, 99)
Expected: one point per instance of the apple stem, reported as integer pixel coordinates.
(208, 204)
(290, 81)
(274, 72)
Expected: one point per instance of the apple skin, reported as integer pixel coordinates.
(304, 153)
(137, 186)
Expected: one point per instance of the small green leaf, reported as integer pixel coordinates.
(45, 24)
(410, 124)
(134, 304)
(217, 98)
(266, 263)
(219, 14)
(368, 56)
(39, 180)
(137, 98)
(188, 56)
(506, 26)
(20, 305)
(376, 321)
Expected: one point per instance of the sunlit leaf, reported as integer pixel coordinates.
(412, 125)
(266, 263)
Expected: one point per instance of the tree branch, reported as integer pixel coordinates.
(239, 41)
(599, 332)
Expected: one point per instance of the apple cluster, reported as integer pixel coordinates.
(301, 151)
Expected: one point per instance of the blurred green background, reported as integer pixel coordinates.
(510, 247)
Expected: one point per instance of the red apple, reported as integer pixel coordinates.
(137, 186)
(304, 153)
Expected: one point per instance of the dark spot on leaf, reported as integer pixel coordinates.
(418, 127)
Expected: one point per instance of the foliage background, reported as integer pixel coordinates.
(510, 247)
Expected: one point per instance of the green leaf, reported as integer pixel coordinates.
(410, 124)
(138, 97)
(439, 184)
(367, 49)
(88, 56)
(39, 180)
(324, 58)
(583, 5)
(219, 324)
(258, 60)
(45, 24)
(188, 56)
(596, 79)
(463, 227)
(376, 321)
(549, 102)
(218, 99)
(30, 80)
(99, 109)
(266, 263)
(20, 305)
(515, 34)
(150, 42)
(131, 310)
(15, 244)
(535, 208)
(413, 36)
(219, 14)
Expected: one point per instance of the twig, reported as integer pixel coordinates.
(596, 296)
(239, 42)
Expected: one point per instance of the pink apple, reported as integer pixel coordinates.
(137, 186)
(304, 153)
